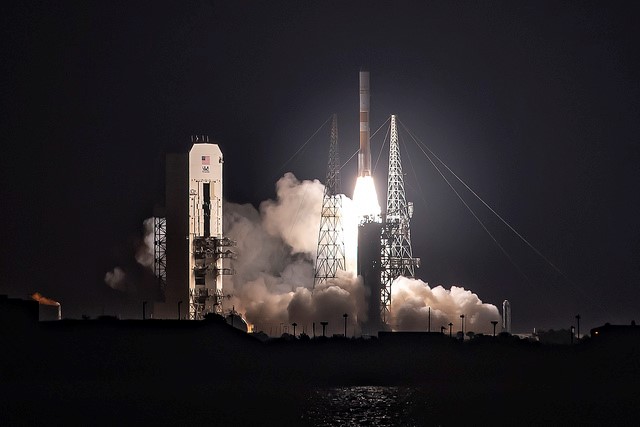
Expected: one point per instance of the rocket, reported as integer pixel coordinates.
(364, 155)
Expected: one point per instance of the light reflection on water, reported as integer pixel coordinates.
(361, 406)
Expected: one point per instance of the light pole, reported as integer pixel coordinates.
(462, 321)
(450, 326)
(578, 320)
(144, 310)
(294, 324)
(179, 303)
(494, 323)
(345, 324)
(429, 327)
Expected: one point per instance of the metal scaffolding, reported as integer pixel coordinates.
(396, 256)
(208, 253)
(160, 251)
(331, 256)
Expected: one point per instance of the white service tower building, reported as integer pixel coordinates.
(195, 246)
(205, 229)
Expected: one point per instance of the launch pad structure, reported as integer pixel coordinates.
(384, 249)
(192, 255)
(384, 242)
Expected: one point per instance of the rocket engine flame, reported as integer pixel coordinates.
(365, 200)
(44, 300)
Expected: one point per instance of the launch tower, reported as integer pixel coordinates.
(331, 255)
(396, 254)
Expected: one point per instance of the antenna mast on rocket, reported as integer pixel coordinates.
(397, 256)
(331, 256)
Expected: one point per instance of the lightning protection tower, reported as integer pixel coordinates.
(506, 316)
(397, 256)
(330, 256)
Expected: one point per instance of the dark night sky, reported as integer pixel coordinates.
(535, 104)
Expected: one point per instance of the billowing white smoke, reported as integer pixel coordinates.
(295, 213)
(144, 251)
(273, 284)
(116, 279)
(273, 281)
(411, 299)
(276, 250)
(329, 301)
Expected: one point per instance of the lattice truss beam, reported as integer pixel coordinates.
(396, 256)
(331, 256)
(160, 251)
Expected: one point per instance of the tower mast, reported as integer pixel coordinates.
(397, 256)
(331, 256)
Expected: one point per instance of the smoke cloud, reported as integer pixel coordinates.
(295, 213)
(411, 299)
(144, 251)
(116, 279)
(273, 281)
(276, 250)
(273, 284)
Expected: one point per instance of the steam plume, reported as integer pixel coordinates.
(276, 249)
(273, 281)
(411, 299)
(144, 251)
(116, 279)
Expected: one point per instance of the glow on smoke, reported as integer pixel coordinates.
(365, 200)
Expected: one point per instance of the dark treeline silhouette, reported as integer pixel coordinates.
(160, 372)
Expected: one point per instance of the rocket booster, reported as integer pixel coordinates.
(364, 155)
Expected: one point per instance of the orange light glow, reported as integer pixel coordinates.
(44, 300)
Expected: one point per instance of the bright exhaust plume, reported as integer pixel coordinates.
(365, 200)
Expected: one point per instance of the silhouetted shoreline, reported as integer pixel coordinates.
(181, 372)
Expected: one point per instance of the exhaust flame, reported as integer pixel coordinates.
(365, 200)
(44, 300)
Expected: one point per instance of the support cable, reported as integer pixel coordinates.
(352, 156)
(297, 215)
(384, 142)
(421, 144)
(474, 215)
(356, 152)
(281, 168)
(490, 208)
(415, 175)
